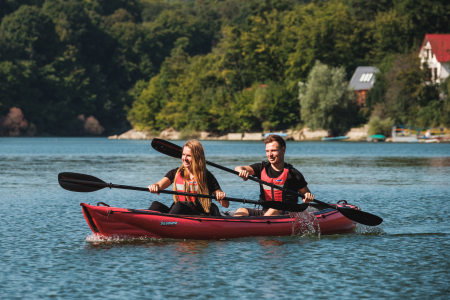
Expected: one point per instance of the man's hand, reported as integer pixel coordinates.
(244, 174)
(308, 198)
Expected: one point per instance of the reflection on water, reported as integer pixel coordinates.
(191, 247)
(48, 249)
(271, 243)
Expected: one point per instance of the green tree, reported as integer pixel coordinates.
(9, 6)
(445, 117)
(391, 32)
(430, 115)
(15, 85)
(323, 32)
(326, 101)
(108, 7)
(366, 10)
(431, 16)
(276, 106)
(28, 34)
(407, 90)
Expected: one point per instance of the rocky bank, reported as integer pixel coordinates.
(305, 134)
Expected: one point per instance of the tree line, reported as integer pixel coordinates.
(95, 67)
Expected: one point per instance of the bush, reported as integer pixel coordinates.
(380, 126)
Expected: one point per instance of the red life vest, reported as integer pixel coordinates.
(179, 181)
(271, 194)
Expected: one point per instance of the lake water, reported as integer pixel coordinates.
(47, 250)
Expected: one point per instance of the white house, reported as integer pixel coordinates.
(435, 52)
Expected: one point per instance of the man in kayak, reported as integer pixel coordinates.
(191, 177)
(278, 172)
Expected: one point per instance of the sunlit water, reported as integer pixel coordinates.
(48, 250)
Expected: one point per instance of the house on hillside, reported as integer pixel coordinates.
(362, 81)
(435, 52)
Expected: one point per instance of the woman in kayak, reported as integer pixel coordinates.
(191, 177)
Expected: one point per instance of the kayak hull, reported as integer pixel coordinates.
(114, 221)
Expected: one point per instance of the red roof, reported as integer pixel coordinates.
(440, 44)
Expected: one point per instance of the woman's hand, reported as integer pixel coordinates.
(220, 195)
(154, 188)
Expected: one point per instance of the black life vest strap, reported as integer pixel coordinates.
(285, 194)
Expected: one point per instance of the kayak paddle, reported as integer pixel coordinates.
(359, 216)
(76, 182)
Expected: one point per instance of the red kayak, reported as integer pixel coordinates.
(113, 221)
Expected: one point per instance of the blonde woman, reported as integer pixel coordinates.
(191, 177)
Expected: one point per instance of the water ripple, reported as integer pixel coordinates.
(48, 249)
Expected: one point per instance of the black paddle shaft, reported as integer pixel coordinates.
(101, 185)
(76, 182)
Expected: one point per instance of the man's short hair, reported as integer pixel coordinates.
(275, 138)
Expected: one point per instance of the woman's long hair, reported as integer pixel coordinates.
(199, 171)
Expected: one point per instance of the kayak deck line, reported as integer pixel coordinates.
(321, 214)
(224, 218)
(245, 219)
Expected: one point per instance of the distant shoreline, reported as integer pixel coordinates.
(305, 134)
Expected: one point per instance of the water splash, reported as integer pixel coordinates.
(305, 224)
(369, 230)
(99, 238)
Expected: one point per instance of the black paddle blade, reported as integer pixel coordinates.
(360, 216)
(65, 181)
(167, 148)
(292, 207)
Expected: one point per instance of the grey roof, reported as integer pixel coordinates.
(363, 78)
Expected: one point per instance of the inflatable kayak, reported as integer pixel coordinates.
(113, 221)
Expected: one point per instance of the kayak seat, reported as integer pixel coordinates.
(228, 213)
(181, 209)
(214, 210)
(315, 207)
(158, 206)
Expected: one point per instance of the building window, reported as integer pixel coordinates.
(366, 77)
(435, 74)
(428, 75)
